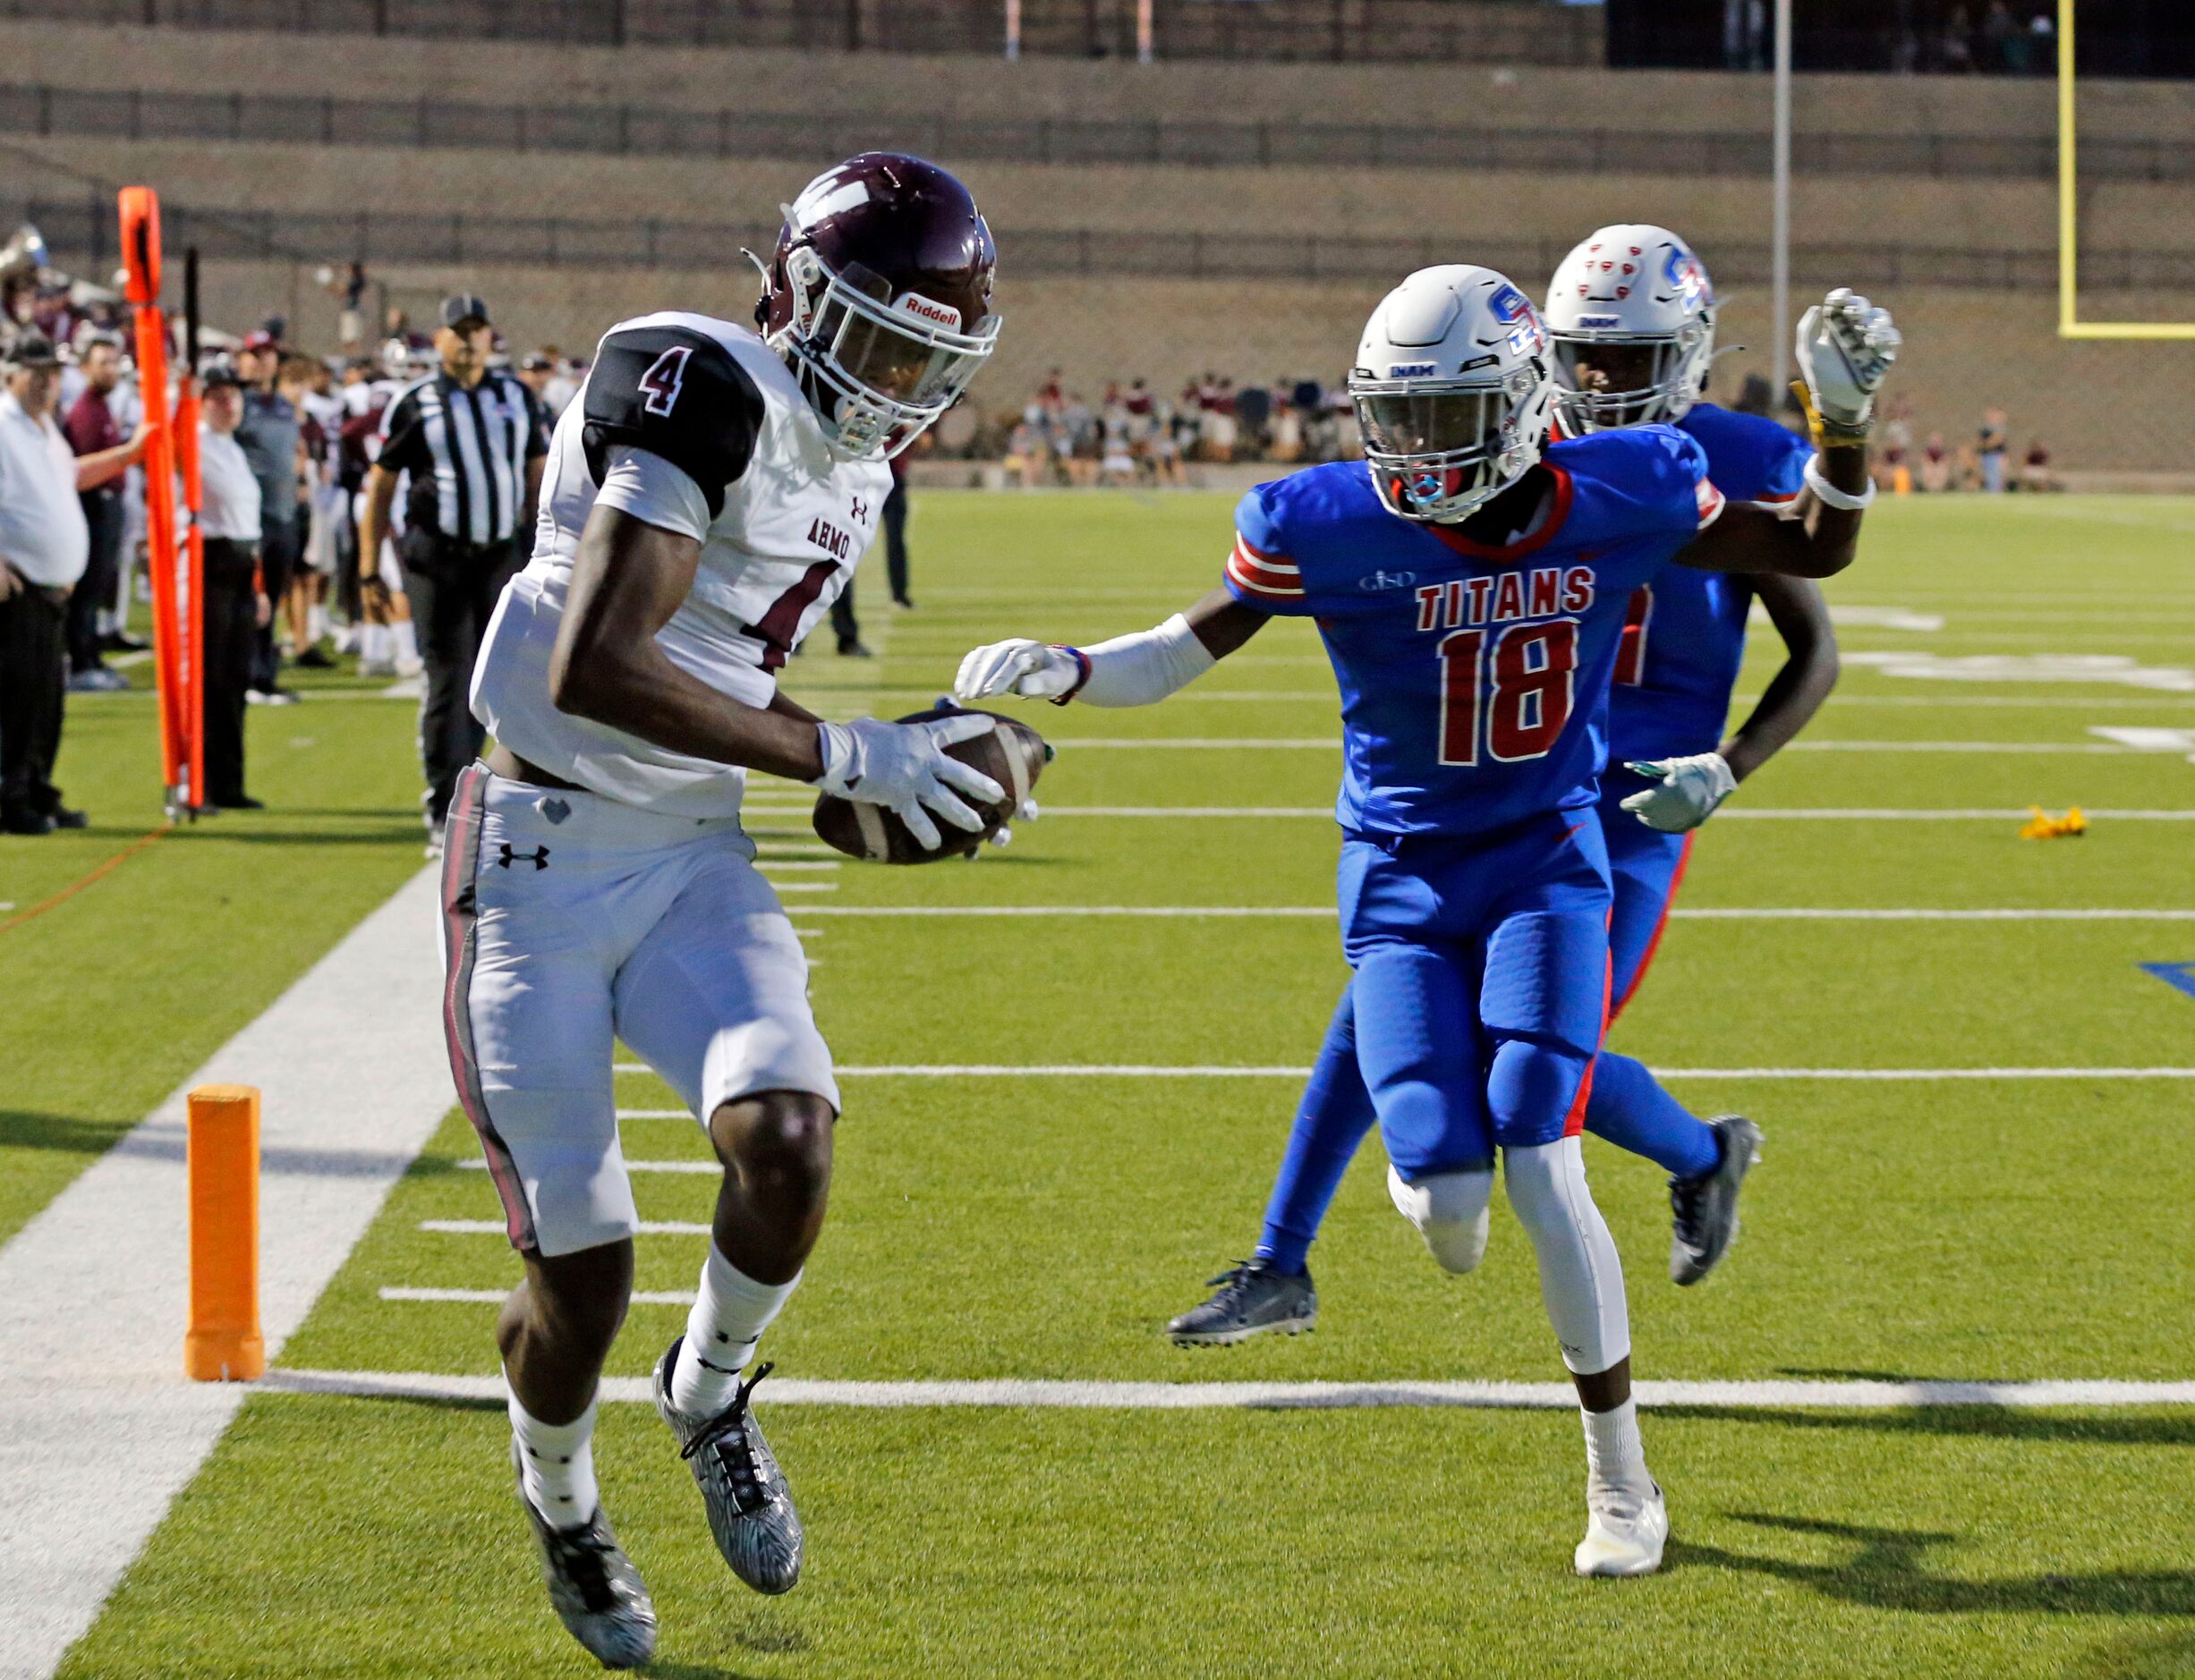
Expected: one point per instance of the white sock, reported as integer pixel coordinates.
(557, 1464)
(1614, 1456)
(730, 1312)
(373, 643)
(406, 639)
(316, 622)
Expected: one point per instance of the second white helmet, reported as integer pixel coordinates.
(1631, 312)
(1452, 389)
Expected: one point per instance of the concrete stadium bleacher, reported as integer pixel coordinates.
(1985, 242)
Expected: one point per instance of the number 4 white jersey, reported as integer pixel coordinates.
(697, 427)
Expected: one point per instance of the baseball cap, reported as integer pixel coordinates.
(537, 364)
(261, 340)
(219, 370)
(465, 306)
(33, 350)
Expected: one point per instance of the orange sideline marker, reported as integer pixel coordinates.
(223, 1343)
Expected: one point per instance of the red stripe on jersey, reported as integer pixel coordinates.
(1279, 579)
(1784, 500)
(1256, 553)
(1710, 504)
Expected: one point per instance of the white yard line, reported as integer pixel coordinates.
(710, 1168)
(495, 1297)
(495, 1228)
(1295, 912)
(98, 1427)
(1175, 1397)
(1230, 744)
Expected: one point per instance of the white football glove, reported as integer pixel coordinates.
(905, 767)
(1687, 793)
(1845, 348)
(1033, 670)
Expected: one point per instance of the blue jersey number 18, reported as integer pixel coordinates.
(1535, 678)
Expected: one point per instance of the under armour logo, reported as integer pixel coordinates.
(861, 511)
(539, 857)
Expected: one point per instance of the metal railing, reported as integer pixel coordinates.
(1452, 32)
(85, 229)
(666, 132)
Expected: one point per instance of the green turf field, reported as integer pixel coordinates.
(987, 1227)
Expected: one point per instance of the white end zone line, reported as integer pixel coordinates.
(1175, 1397)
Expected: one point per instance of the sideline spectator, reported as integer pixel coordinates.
(2035, 474)
(1994, 440)
(269, 435)
(44, 544)
(236, 603)
(1935, 465)
(91, 428)
(472, 441)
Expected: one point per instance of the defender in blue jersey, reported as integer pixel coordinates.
(1472, 597)
(1630, 317)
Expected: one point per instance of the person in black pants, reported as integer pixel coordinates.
(895, 511)
(269, 436)
(236, 602)
(471, 441)
(90, 428)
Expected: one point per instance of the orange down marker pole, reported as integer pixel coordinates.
(223, 1343)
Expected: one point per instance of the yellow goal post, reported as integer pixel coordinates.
(2069, 324)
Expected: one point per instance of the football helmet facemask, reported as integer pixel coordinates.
(1452, 389)
(879, 294)
(1631, 312)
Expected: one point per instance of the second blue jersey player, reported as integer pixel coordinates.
(1472, 585)
(1630, 317)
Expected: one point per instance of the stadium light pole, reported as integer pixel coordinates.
(1780, 238)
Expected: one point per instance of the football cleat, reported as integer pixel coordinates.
(749, 1508)
(1704, 1210)
(596, 1592)
(1624, 1533)
(1253, 1298)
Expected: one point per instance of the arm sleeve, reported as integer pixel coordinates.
(1143, 669)
(676, 394)
(1260, 571)
(654, 492)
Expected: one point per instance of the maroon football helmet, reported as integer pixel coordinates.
(879, 293)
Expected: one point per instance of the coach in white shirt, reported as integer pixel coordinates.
(236, 603)
(44, 545)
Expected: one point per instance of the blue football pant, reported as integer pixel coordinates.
(1626, 1105)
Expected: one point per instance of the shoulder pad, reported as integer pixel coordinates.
(675, 393)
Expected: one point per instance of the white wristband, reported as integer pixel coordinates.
(1829, 495)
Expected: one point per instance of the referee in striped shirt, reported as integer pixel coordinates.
(470, 442)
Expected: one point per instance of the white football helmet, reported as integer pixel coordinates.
(1631, 312)
(1452, 389)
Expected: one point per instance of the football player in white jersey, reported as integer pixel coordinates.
(707, 496)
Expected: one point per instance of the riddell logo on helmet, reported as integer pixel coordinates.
(922, 309)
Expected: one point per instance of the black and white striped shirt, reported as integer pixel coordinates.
(466, 452)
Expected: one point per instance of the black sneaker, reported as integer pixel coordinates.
(592, 1585)
(750, 1512)
(1704, 1210)
(23, 820)
(63, 817)
(315, 659)
(1253, 1299)
(854, 650)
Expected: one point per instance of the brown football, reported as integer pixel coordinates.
(1012, 755)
